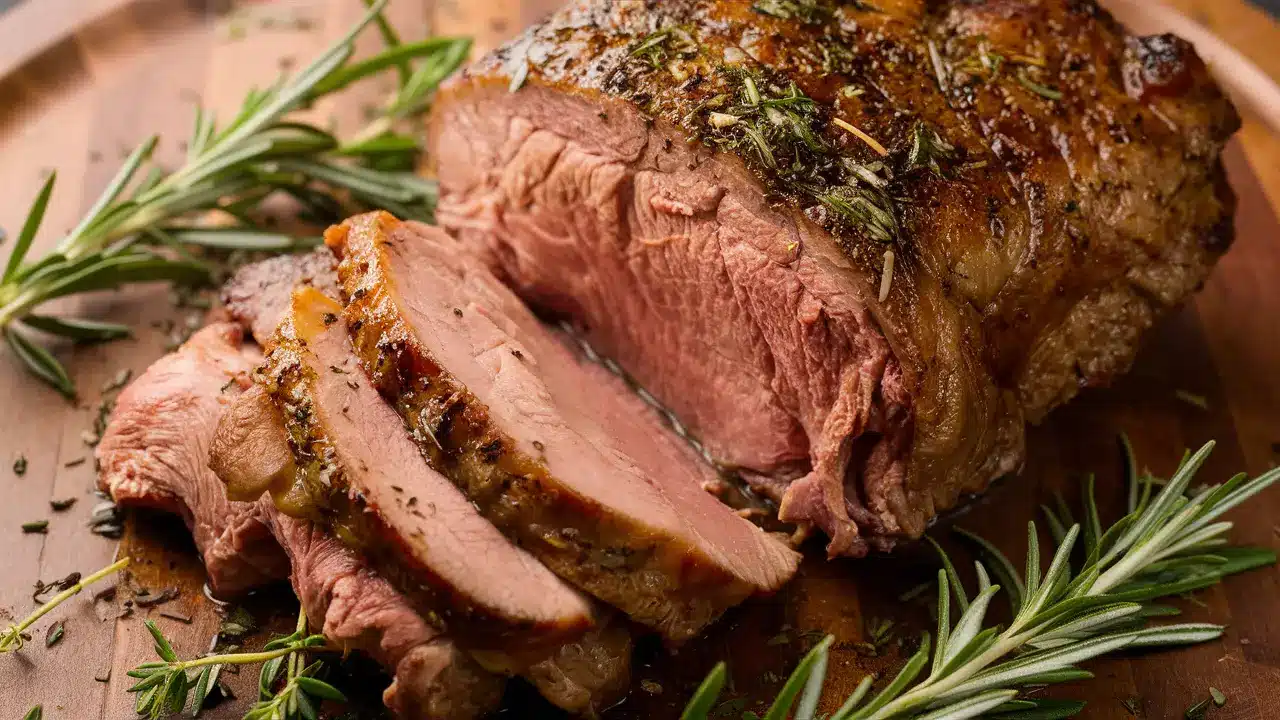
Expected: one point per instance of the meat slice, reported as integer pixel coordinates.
(359, 471)
(358, 609)
(253, 454)
(503, 409)
(257, 295)
(154, 453)
(854, 247)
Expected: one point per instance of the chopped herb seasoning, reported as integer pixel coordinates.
(517, 354)
(60, 505)
(1198, 711)
(651, 687)
(810, 12)
(145, 598)
(54, 633)
(36, 527)
(457, 311)
(1191, 398)
(1043, 91)
(928, 149)
(74, 463)
(329, 318)
(20, 465)
(184, 619)
(1219, 697)
(1133, 705)
(238, 623)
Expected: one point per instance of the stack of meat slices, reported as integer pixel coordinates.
(457, 492)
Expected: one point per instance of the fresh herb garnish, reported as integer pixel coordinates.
(166, 687)
(1219, 697)
(136, 230)
(1168, 544)
(1198, 711)
(36, 526)
(12, 638)
(1193, 399)
(54, 633)
(35, 713)
(60, 505)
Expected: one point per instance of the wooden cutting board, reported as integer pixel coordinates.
(83, 81)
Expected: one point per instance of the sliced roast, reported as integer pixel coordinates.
(358, 609)
(254, 452)
(504, 410)
(154, 453)
(852, 252)
(359, 471)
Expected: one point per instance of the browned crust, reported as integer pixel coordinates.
(1056, 214)
(322, 492)
(603, 554)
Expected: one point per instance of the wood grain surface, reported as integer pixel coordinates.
(83, 81)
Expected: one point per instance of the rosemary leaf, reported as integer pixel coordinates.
(41, 363)
(1166, 546)
(35, 216)
(705, 697)
(78, 329)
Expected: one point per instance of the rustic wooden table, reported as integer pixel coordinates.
(82, 81)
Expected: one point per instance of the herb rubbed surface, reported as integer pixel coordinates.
(538, 441)
(855, 250)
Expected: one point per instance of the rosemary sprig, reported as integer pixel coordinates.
(1168, 544)
(138, 228)
(165, 686)
(12, 639)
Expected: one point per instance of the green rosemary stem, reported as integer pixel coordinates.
(14, 633)
(240, 658)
